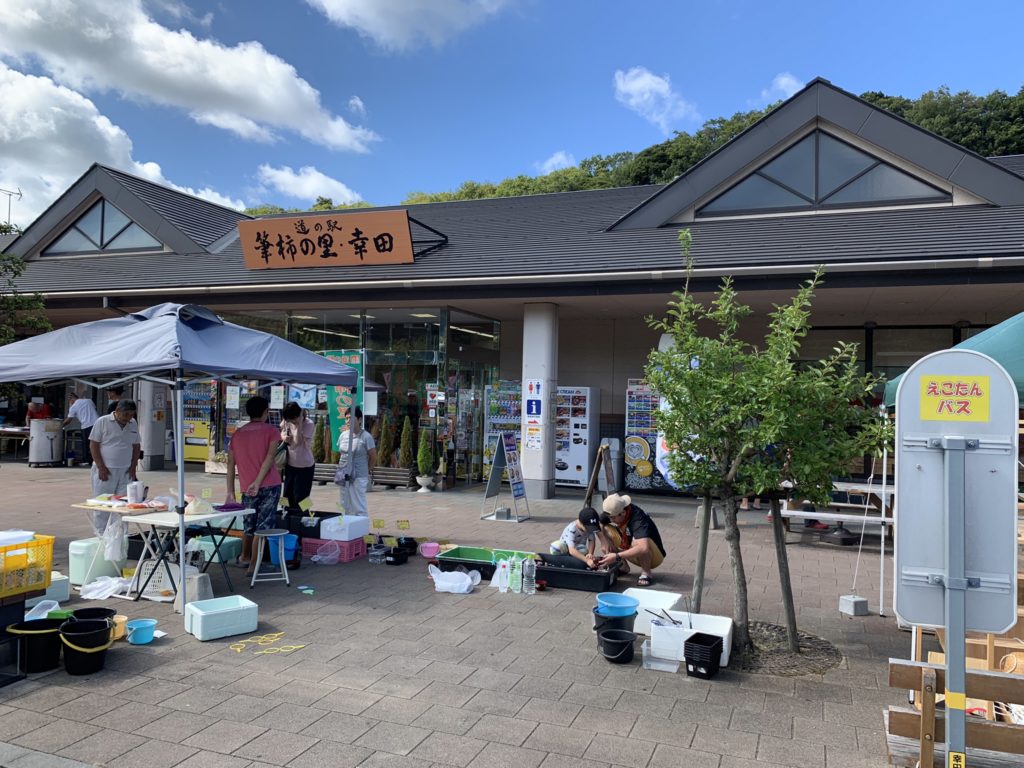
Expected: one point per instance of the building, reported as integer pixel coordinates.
(922, 240)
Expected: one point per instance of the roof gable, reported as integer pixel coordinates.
(180, 222)
(821, 103)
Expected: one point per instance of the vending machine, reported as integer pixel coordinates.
(645, 453)
(200, 415)
(502, 408)
(577, 434)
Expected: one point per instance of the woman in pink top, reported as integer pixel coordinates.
(251, 451)
(297, 433)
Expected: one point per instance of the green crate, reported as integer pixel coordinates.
(478, 558)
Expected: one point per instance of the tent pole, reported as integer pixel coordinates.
(179, 460)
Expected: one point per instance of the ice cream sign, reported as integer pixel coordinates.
(954, 398)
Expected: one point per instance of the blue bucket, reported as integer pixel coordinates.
(291, 543)
(615, 604)
(140, 631)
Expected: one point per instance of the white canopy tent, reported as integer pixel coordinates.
(170, 344)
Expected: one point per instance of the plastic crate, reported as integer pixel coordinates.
(26, 567)
(653, 662)
(576, 578)
(703, 653)
(479, 559)
(350, 550)
(230, 548)
(221, 617)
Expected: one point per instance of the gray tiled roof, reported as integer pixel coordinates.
(1013, 163)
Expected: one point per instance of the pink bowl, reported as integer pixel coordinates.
(429, 549)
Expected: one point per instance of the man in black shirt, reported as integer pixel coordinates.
(114, 395)
(640, 541)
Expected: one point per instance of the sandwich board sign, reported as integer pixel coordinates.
(956, 509)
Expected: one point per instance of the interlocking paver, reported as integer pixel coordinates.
(391, 737)
(447, 719)
(448, 749)
(502, 729)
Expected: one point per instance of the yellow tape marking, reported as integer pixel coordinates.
(956, 700)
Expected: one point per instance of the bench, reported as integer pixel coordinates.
(825, 515)
(324, 473)
(394, 477)
(911, 735)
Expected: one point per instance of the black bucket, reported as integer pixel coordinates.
(616, 645)
(40, 644)
(85, 645)
(93, 614)
(612, 622)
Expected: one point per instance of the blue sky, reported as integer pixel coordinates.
(279, 101)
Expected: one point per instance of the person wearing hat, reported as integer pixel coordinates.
(640, 541)
(578, 541)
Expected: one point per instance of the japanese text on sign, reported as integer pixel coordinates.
(327, 240)
(954, 398)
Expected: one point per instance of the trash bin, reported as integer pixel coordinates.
(615, 456)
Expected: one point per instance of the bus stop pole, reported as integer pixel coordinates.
(955, 592)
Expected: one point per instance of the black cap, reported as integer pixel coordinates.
(589, 519)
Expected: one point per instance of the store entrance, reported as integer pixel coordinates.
(472, 353)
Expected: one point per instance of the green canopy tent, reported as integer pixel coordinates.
(1004, 343)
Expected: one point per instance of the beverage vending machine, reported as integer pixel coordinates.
(502, 409)
(577, 434)
(645, 452)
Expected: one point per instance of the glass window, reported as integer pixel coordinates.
(72, 241)
(896, 349)
(113, 221)
(795, 167)
(882, 184)
(133, 237)
(754, 192)
(89, 224)
(838, 162)
(102, 227)
(328, 329)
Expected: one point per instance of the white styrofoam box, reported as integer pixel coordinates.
(86, 563)
(344, 527)
(709, 625)
(59, 590)
(650, 599)
(221, 617)
(667, 639)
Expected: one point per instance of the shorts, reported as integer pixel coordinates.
(616, 539)
(265, 503)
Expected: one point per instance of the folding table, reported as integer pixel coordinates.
(159, 532)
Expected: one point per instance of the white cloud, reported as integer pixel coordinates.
(306, 184)
(560, 159)
(356, 106)
(100, 46)
(783, 86)
(405, 24)
(50, 135)
(652, 97)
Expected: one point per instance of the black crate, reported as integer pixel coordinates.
(703, 653)
(576, 578)
(294, 524)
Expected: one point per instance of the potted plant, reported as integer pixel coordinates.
(387, 442)
(425, 461)
(405, 456)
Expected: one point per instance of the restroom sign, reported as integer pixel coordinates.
(533, 402)
(954, 398)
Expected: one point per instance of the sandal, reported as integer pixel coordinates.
(644, 580)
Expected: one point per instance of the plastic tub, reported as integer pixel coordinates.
(613, 622)
(291, 544)
(40, 644)
(93, 614)
(429, 549)
(140, 631)
(653, 662)
(85, 645)
(396, 556)
(615, 604)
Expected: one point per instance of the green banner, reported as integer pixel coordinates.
(340, 398)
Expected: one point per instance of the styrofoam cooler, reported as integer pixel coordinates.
(344, 527)
(650, 600)
(85, 564)
(221, 617)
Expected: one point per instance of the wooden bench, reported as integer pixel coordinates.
(912, 734)
(394, 477)
(324, 473)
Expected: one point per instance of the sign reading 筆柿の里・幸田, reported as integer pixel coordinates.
(327, 240)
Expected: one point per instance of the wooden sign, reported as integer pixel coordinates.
(327, 240)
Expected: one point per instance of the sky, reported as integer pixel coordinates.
(247, 102)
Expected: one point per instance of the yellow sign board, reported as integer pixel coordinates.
(403, 525)
(357, 238)
(957, 760)
(955, 398)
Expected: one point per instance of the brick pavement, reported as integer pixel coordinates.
(394, 674)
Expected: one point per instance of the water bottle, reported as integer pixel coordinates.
(503, 576)
(515, 576)
(529, 576)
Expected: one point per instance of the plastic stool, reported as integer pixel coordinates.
(278, 575)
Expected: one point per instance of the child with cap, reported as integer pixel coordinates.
(579, 540)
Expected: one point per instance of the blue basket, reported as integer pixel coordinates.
(291, 544)
(615, 604)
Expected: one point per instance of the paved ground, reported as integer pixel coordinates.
(393, 674)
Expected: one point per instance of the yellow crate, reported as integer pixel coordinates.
(26, 567)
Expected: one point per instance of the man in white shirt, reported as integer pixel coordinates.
(115, 446)
(83, 409)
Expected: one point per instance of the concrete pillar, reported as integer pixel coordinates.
(540, 366)
(152, 418)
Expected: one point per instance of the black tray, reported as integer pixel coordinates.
(576, 578)
(294, 524)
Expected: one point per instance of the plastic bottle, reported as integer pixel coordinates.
(503, 576)
(515, 576)
(529, 576)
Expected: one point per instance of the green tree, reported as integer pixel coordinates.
(405, 456)
(319, 454)
(21, 314)
(745, 419)
(387, 441)
(425, 453)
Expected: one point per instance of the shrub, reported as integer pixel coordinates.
(425, 455)
(405, 457)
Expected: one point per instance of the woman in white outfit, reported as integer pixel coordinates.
(358, 456)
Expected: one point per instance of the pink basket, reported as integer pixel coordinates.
(350, 550)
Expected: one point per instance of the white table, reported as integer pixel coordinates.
(159, 531)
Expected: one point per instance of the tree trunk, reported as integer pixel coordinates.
(782, 558)
(702, 555)
(741, 630)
